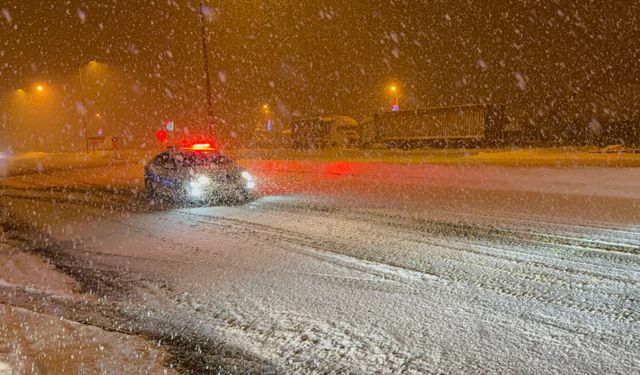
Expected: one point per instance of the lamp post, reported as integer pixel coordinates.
(93, 65)
(84, 114)
(205, 59)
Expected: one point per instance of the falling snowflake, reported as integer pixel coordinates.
(82, 15)
(222, 76)
(521, 81)
(6, 14)
(81, 108)
(208, 13)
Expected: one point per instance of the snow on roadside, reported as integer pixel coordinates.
(38, 343)
(33, 343)
(19, 269)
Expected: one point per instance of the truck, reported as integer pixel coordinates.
(325, 131)
(473, 124)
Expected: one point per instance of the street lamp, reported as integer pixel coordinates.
(38, 89)
(84, 113)
(91, 64)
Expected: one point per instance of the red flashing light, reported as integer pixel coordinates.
(198, 147)
(161, 135)
(202, 146)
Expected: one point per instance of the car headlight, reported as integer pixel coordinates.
(248, 179)
(203, 180)
(200, 182)
(196, 191)
(246, 175)
(196, 186)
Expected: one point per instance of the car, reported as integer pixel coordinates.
(196, 174)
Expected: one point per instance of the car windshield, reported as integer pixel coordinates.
(200, 159)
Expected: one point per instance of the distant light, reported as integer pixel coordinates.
(269, 125)
(39, 88)
(393, 88)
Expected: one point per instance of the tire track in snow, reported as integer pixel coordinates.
(518, 244)
(618, 240)
(522, 281)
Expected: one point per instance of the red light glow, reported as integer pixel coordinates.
(202, 146)
(339, 169)
(198, 147)
(161, 135)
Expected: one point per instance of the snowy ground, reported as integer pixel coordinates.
(355, 267)
(33, 341)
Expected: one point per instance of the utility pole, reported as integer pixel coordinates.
(206, 73)
(84, 115)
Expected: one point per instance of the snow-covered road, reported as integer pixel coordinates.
(363, 269)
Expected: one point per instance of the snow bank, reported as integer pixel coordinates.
(38, 343)
(44, 344)
(32, 272)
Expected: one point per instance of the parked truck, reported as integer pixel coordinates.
(321, 132)
(475, 124)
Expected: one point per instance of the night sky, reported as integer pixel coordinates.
(541, 58)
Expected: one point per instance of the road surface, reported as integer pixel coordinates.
(353, 267)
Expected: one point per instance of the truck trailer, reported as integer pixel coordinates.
(475, 124)
(321, 132)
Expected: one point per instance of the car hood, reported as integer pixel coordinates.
(213, 171)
